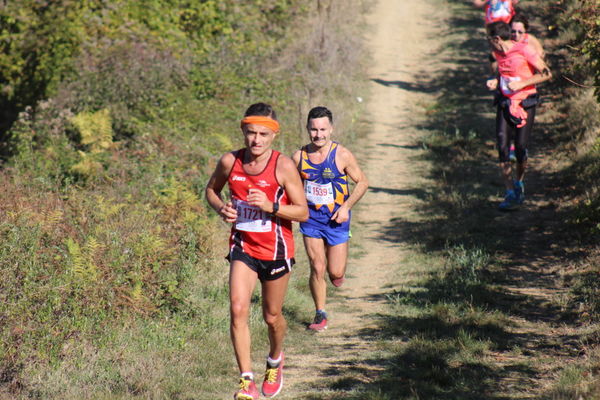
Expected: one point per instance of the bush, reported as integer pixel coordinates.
(462, 276)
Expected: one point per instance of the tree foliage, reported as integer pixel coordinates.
(582, 17)
(588, 16)
(38, 42)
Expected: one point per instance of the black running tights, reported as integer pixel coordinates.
(507, 131)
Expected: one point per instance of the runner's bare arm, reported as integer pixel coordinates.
(493, 64)
(536, 45)
(479, 3)
(296, 158)
(351, 167)
(215, 185)
(492, 83)
(542, 74)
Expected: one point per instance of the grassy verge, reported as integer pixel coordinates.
(113, 278)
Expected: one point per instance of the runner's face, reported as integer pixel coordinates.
(319, 130)
(517, 31)
(495, 43)
(258, 138)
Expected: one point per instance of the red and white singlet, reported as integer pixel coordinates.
(257, 233)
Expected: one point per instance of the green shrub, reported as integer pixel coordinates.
(462, 276)
(587, 292)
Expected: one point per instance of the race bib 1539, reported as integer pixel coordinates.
(318, 193)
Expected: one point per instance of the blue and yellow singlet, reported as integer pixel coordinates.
(325, 187)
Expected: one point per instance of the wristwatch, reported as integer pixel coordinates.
(275, 208)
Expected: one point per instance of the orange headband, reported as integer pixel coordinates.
(260, 120)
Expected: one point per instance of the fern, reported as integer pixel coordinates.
(92, 246)
(150, 245)
(106, 209)
(52, 219)
(136, 291)
(87, 166)
(96, 134)
(82, 260)
(176, 194)
(95, 129)
(76, 257)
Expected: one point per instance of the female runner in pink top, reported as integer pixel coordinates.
(519, 70)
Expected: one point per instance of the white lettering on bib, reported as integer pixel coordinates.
(251, 218)
(318, 193)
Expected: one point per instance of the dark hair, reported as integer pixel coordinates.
(522, 19)
(262, 109)
(319, 112)
(498, 28)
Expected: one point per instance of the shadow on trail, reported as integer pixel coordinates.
(438, 348)
(419, 193)
(407, 86)
(401, 146)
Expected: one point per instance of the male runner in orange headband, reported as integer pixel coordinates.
(266, 195)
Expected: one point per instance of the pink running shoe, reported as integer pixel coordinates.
(319, 323)
(273, 380)
(248, 390)
(338, 282)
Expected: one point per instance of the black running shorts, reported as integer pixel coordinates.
(267, 270)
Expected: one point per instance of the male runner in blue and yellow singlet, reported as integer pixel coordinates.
(325, 166)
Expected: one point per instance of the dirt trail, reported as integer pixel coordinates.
(400, 39)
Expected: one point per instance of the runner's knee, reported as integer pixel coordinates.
(318, 266)
(521, 154)
(272, 318)
(239, 312)
(336, 275)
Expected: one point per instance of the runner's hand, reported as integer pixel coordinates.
(259, 199)
(515, 85)
(228, 212)
(492, 84)
(341, 215)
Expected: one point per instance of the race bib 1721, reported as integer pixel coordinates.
(251, 218)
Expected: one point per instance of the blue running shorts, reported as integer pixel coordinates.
(332, 234)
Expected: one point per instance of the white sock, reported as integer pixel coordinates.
(274, 363)
(247, 375)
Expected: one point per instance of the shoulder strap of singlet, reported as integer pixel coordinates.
(303, 156)
(304, 152)
(332, 152)
(273, 164)
(239, 158)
